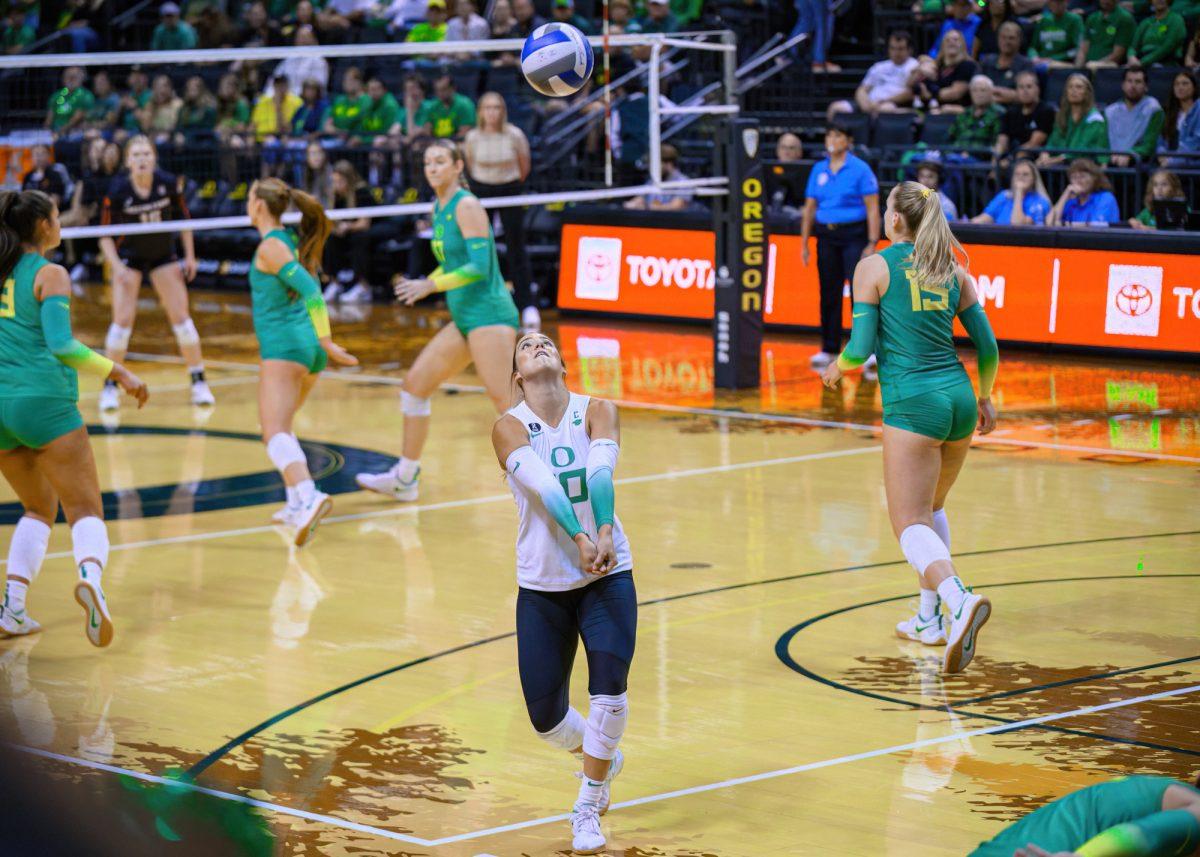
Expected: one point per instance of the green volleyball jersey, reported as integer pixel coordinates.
(450, 249)
(915, 347)
(27, 367)
(277, 309)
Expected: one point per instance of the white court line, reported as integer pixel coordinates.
(521, 825)
(475, 501)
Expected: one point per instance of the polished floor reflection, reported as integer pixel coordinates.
(366, 689)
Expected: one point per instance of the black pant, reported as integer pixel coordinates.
(515, 262)
(549, 625)
(838, 250)
(352, 251)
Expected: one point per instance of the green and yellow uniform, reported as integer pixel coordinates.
(289, 313)
(39, 362)
(1122, 817)
(469, 273)
(925, 388)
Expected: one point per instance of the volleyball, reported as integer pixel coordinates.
(557, 59)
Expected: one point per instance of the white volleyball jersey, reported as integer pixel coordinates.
(547, 558)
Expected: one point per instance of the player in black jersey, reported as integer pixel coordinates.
(147, 194)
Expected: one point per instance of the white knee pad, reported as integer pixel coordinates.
(186, 333)
(117, 338)
(605, 726)
(567, 735)
(922, 547)
(414, 406)
(283, 450)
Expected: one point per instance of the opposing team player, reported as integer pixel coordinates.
(149, 195)
(44, 450)
(905, 302)
(574, 569)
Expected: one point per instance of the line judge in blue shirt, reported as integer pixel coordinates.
(843, 198)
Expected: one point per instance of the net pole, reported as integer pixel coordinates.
(655, 117)
(608, 163)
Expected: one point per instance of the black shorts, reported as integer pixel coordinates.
(145, 264)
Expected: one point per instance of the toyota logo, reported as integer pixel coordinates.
(598, 267)
(1134, 299)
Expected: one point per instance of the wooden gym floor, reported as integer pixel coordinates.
(364, 690)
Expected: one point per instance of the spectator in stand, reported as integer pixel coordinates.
(1107, 35)
(1134, 122)
(450, 113)
(503, 21)
(433, 28)
(1079, 126)
(843, 199)
(308, 119)
(379, 121)
(1159, 39)
(1003, 67)
(48, 177)
(415, 124)
(498, 163)
(467, 25)
(630, 132)
(68, 107)
(214, 29)
(349, 246)
(658, 18)
(1057, 35)
(161, 113)
(92, 186)
(399, 15)
(106, 106)
(884, 89)
(257, 30)
(172, 34)
(344, 115)
(930, 174)
(272, 114)
(1180, 107)
(987, 36)
(963, 19)
(814, 17)
(785, 186)
(198, 113)
(297, 69)
(339, 17)
(943, 86)
(1025, 203)
(620, 14)
(526, 17)
(132, 102)
(18, 35)
(978, 127)
(1164, 186)
(667, 200)
(1088, 199)
(316, 177)
(564, 13)
(233, 112)
(304, 15)
(1028, 123)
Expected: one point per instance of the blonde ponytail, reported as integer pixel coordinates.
(935, 249)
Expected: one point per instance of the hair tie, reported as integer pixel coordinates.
(925, 193)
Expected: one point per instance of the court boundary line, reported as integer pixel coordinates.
(981, 440)
(684, 792)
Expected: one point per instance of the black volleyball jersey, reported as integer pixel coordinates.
(124, 204)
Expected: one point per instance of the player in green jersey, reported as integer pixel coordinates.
(294, 339)
(485, 318)
(44, 450)
(905, 302)
(1127, 817)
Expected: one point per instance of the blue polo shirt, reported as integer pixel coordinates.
(1099, 210)
(840, 195)
(1035, 207)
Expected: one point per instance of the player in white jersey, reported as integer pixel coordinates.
(574, 568)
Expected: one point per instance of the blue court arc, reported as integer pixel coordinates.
(333, 467)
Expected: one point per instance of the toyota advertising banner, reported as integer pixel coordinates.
(1056, 296)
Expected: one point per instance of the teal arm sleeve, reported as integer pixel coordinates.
(975, 320)
(56, 330)
(297, 278)
(532, 474)
(479, 263)
(602, 461)
(1175, 831)
(862, 336)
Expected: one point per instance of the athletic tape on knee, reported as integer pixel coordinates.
(117, 338)
(28, 548)
(922, 547)
(186, 333)
(283, 449)
(605, 726)
(414, 406)
(567, 735)
(89, 538)
(941, 526)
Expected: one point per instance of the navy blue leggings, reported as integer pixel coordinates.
(549, 626)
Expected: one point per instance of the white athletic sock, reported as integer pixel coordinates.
(406, 469)
(952, 592)
(941, 526)
(929, 604)
(589, 791)
(305, 491)
(293, 498)
(14, 595)
(89, 538)
(25, 554)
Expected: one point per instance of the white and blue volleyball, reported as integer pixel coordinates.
(557, 59)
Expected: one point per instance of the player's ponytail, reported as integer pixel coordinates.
(20, 213)
(315, 227)
(935, 249)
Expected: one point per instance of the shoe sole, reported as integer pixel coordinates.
(305, 532)
(599, 850)
(941, 641)
(87, 598)
(960, 655)
(389, 494)
(6, 634)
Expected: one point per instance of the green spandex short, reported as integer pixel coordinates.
(948, 413)
(485, 312)
(310, 355)
(34, 422)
